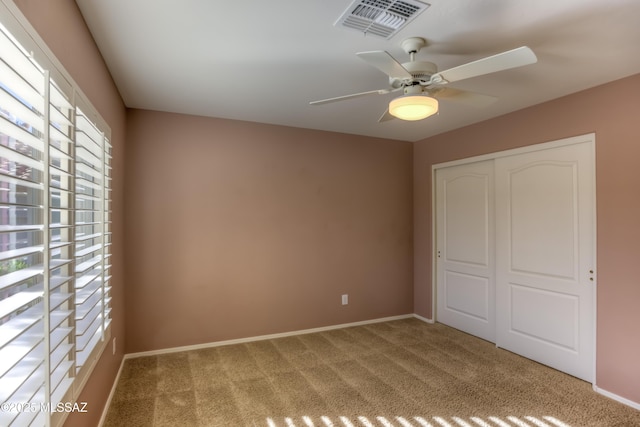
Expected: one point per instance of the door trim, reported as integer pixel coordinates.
(589, 138)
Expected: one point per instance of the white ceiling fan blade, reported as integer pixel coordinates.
(385, 63)
(386, 116)
(491, 64)
(353, 95)
(465, 97)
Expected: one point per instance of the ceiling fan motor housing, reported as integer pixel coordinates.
(421, 71)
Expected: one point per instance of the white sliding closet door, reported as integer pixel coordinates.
(515, 251)
(545, 256)
(464, 218)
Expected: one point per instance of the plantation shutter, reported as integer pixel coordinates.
(22, 240)
(55, 237)
(61, 360)
(92, 236)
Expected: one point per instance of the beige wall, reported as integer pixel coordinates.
(238, 229)
(612, 112)
(61, 25)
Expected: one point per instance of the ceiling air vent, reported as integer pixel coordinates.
(382, 18)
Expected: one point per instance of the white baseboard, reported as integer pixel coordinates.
(111, 393)
(615, 397)
(424, 319)
(264, 337)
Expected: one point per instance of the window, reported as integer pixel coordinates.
(55, 237)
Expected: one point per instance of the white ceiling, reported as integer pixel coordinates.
(263, 61)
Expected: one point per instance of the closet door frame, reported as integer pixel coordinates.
(586, 138)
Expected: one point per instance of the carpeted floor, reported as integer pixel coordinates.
(401, 373)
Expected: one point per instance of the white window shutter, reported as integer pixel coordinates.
(55, 237)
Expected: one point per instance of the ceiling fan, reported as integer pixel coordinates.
(422, 84)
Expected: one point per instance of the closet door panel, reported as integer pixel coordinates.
(545, 256)
(464, 224)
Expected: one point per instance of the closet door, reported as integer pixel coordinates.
(464, 245)
(545, 202)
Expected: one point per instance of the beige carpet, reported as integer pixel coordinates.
(402, 373)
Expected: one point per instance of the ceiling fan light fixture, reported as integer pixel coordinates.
(413, 107)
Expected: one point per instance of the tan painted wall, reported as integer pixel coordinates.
(612, 112)
(61, 25)
(238, 229)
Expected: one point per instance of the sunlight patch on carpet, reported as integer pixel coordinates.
(461, 422)
(537, 422)
(403, 422)
(346, 422)
(480, 422)
(384, 422)
(518, 422)
(499, 422)
(556, 422)
(327, 421)
(442, 422)
(417, 421)
(365, 422)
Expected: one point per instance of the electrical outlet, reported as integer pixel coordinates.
(345, 299)
(114, 346)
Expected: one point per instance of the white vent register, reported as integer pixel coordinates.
(381, 18)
